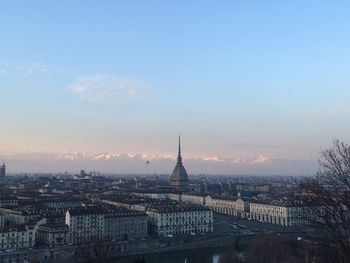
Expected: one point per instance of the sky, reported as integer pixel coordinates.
(253, 87)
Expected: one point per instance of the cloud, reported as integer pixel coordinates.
(260, 159)
(27, 71)
(213, 159)
(106, 88)
(328, 112)
(252, 160)
(94, 156)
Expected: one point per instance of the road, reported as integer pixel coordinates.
(228, 225)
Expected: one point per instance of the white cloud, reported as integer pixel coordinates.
(252, 160)
(131, 155)
(27, 71)
(106, 88)
(260, 159)
(213, 159)
(116, 162)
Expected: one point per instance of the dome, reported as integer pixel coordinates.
(179, 173)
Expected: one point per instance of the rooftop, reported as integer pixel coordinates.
(169, 206)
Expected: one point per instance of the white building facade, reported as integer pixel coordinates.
(17, 236)
(85, 224)
(234, 207)
(280, 214)
(165, 221)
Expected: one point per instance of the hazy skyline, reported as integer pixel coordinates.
(239, 80)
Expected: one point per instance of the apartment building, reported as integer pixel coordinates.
(172, 218)
(105, 223)
(18, 236)
(123, 224)
(86, 224)
(193, 199)
(235, 207)
(280, 213)
(53, 234)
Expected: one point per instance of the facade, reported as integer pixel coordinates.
(17, 216)
(175, 197)
(122, 224)
(285, 214)
(172, 218)
(17, 236)
(86, 224)
(234, 207)
(53, 235)
(7, 200)
(152, 195)
(64, 203)
(2, 220)
(100, 223)
(239, 208)
(179, 178)
(124, 201)
(2, 170)
(193, 199)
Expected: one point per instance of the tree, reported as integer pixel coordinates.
(97, 251)
(327, 198)
(230, 256)
(267, 249)
(274, 249)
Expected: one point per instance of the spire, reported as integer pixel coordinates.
(179, 158)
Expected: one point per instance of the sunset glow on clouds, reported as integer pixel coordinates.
(116, 163)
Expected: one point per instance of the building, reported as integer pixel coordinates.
(123, 224)
(2, 220)
(179, 177)
(17, 236)
(133, 202)
(2, 170)
(63, 202)
(53, 234)
(172, 218)
(280, 213)
(175, 197)
(86, 224)
(235, 207)
(105, 223)
(151, 195)
(193, 199)
(8, 200)
(17, 215)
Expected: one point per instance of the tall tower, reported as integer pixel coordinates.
(2, 170)
(179, 177)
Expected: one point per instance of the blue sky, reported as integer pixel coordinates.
(237, 79)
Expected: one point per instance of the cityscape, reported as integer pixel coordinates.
(174, 132)
(89, 217)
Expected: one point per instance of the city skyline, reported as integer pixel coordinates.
(253, 88)
(129, 163)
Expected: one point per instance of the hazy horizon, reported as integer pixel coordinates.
(117, 163)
